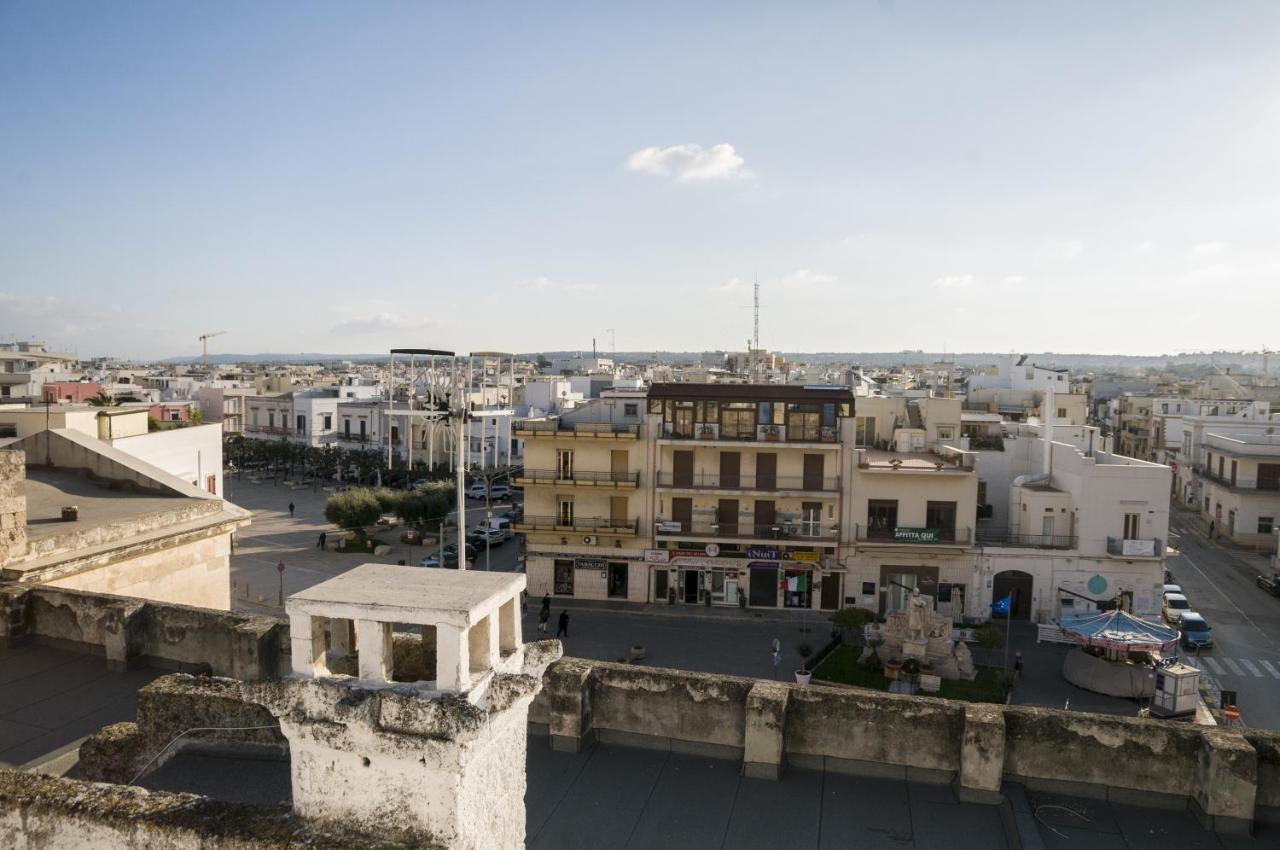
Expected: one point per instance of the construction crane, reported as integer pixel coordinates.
(204, 345)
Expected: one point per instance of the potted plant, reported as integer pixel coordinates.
(706, 432)
(910, 669)
(803, 675)
(771, 434)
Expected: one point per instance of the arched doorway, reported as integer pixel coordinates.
(1017, 583)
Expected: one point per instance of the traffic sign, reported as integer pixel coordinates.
(280, 567)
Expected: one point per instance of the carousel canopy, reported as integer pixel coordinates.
(1118, 630)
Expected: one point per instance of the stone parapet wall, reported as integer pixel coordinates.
(13, 505)
(131, 631)
(40, 812)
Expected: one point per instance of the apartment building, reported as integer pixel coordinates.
(226, 405)
(1065, 525)
(1134, 429)
(1240, 475)
(26, 366)
(305, 416)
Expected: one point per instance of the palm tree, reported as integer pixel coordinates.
(104, 399)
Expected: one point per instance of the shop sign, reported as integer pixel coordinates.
(707, 563)
(657, 556)
(688, 553)
(808, 557)
(763, 565)
(712, 550)
(902, 534)
(1138, 548)
(589, 563)
(763, 554)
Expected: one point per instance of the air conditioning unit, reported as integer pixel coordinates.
(589, 540)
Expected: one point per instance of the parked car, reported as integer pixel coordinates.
(1175, 605)
(450, 557)
(1171, 588)
(1168, 577)
(1196, 632)
(1271, 584)
(500, 490)
(476, 490)
(502, 524)
(477, 537)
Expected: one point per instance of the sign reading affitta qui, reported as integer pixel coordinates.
(901, 534)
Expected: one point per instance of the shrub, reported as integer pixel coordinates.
(804, 650)
(852, 618)
(352, 509)
(988, 637)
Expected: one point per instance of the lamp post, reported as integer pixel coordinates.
(280, 570)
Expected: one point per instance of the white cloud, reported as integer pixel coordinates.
(1209, 249)
(806, 277)
(733, 284)
(1014, 280)
(542, 283)
(1144, 248)
(1064, 252)
(380, 323)
(689, 163)
(954, 281)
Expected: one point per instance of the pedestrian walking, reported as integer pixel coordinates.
(524, 602)
(1210, 529)
(1017, 666)
(291, 510)
(323, 537)
(546, 606)
(543, 616)
(563, 629)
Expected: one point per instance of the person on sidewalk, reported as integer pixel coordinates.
(545, 613)
(323, 537)
(1211, 526)
(543, 616)
(563, 629)
(1017, 666)
(291, 510)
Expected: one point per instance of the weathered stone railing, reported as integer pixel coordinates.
(131, 631)
(1227, 777)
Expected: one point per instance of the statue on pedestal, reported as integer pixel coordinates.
(917, 614)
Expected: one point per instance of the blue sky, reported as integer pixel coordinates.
(348, 177)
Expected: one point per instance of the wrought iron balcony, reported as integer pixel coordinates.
(810, 531)
(996, 536)
(580, 477)
(579, 524)
(721, 481)
(1144, 547)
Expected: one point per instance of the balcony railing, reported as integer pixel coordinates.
(718, 481)
(578, 476)
(268, 429)
(996, 536)
(1268, 484)
(911, 536)
(751, 434)
(1145, 547)
(578, 524)
(748, 531)
(588, 430)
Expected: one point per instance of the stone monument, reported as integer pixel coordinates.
(919, 632)
(443, 757)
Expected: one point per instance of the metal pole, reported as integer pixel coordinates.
(488, 524)
(1008, 625)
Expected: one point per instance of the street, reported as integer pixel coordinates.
(1219, 582)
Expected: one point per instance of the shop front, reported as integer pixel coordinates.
(759, 578)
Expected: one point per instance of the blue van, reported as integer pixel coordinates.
(1196, 632)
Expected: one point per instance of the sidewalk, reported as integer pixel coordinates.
(691, 612)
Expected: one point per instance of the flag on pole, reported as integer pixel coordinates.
(1000, 608)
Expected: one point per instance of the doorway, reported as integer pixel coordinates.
(617, 580)
(682, 469)
(813, 469)
(691, 586)
(830, 600)
(766, 471)
(682, 512)
(764, 587)
(1017, 585)
(730, 470)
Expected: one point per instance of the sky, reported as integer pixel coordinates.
(349, 177)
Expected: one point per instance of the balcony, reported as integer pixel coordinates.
(714, 434)
(580, 525)
(533, 429)
(944, 459)
(579, 478)
(1269, 485)
(738, 483)
(1145, 547)
(996, 536)
(269, 430)
(796, 531)
(912, 536)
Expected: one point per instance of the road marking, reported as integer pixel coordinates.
(1213, 664)
(1249, 666)
(1231, 665)
(1221, 593)
(1275, 674)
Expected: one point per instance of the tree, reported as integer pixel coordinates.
(852, 619)
(353, 509)
(195, 417)
(104, 399)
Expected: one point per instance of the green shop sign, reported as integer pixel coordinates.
(915, 535)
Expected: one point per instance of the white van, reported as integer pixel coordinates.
(502, 524)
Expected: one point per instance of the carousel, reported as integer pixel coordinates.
(1117, 653)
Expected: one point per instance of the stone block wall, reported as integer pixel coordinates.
(13, 505)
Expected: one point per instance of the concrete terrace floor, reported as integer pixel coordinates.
(614, 796)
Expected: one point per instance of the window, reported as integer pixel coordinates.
(328, 422)
(362, 424)
(302, 424)
(882, 518)
(804, 421)
(942, 516)
(864, 431)
(346, 427)
(565, 516)
(175, 416)
(211, 484)
(631, 408)
(562, 580)
(1062, 413)
(1132, 526)
(946, 432)
(271, 419)
(738, 420)
(655, 405)
(564, 464)
(1266, 524)
(811, 519)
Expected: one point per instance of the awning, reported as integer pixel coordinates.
(1118, 630)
